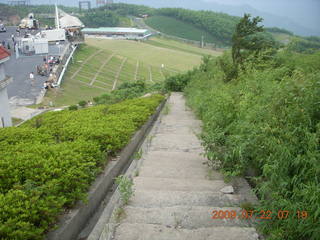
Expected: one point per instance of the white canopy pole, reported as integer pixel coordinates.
(57, 18)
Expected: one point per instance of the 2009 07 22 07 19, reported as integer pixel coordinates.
(262, 214)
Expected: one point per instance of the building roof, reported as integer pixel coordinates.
(114, 30)
(4, 53)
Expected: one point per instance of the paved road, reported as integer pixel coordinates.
(20, 90)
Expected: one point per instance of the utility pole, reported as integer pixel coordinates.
(202, 41)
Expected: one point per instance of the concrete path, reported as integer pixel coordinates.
(176, 193)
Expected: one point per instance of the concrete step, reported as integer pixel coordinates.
(177, 165)
(186, 122)
(177, 142)
(148, 199)
(164, 129)
(181, 157)
(169, 171)
(188, 217)
(170, 184)
(180, 114)
(129, 231)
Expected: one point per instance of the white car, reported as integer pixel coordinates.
(2, 28)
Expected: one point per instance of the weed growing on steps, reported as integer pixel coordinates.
(125, 188)
(138, 155)
(119, 214)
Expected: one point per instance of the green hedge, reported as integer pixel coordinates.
(267, 120)
(48, 163)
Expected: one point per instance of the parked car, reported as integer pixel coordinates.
(2, 28)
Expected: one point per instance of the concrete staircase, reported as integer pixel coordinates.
(176, 193)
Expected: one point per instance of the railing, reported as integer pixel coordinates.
(65, 64)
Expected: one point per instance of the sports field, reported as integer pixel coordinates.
(100, 66)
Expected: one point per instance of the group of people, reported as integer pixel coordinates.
(50, 83)
(8, 44)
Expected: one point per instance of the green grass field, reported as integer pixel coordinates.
(99, 66)
(174, 27)
(172, 44)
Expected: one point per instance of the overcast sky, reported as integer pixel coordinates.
(304, 11)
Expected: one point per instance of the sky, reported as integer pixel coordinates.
(306, 12)
(299, 16)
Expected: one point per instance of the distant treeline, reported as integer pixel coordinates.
(100, 18)
(219, 25)
(22, 11)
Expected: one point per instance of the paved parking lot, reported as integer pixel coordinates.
(20, 91)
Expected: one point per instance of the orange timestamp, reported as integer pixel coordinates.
(254, 214)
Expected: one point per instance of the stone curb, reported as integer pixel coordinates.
(72, 223)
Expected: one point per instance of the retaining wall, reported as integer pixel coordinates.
(71, 224)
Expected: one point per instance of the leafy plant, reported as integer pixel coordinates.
(266, 121)
(125, 188)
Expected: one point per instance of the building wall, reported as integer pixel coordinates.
(2, 72)
(5, 116)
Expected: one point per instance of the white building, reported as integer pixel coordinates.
(5, 117)
(117, 33)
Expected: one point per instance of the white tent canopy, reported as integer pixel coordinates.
(68, 21)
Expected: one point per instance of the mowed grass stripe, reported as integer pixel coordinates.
(128, 71)
(118, 74)
(87, 60)
(101, 67)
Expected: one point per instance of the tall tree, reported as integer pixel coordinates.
(244, 37)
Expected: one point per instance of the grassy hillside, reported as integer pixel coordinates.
(176, 60)
(178, 28)
(175, 45)
(264, 123)
(102, 65)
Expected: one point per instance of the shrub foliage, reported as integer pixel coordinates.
(267, 119)
(48, 163)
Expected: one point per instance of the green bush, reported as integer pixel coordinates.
(82, 103)
(267, 119)
(73, 107)
(48, 163)
(178, 82)
(128, 90)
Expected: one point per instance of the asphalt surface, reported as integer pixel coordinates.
(20, 91)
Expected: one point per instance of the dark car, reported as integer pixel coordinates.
(2, 28)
